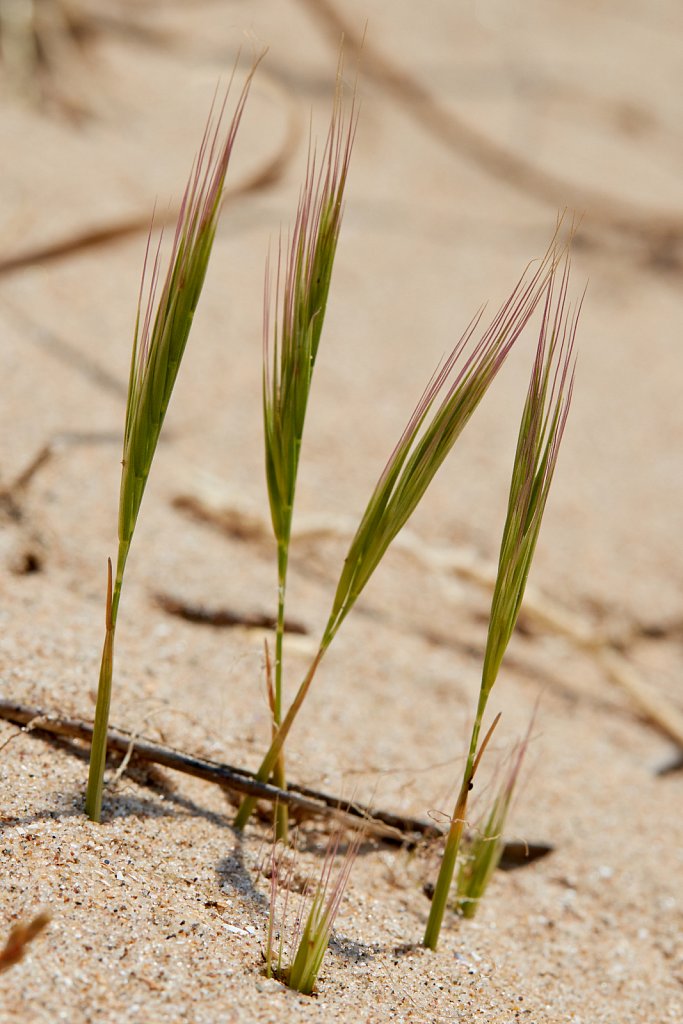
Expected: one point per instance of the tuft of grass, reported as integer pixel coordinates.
(486, 843)
(161, 332)
(544, 418)
(290, 350)
(313, 928)
(443, 411)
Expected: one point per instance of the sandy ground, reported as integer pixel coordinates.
(483, 120)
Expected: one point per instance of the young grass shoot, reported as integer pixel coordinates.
(540, 434)
(297, 961)
(161, 333)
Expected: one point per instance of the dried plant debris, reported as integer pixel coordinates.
(29, 552)
(19, 940)
(48, 49)
(391, 827)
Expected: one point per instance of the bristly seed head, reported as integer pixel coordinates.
(162, 329)
(424, 445)
(301, 292)
(540, 434)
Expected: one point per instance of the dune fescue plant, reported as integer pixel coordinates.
(161, 332)
(290, 350)
(540, 434)
(297, 961)
(485, 843)
(444, 409)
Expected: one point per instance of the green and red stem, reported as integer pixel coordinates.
(450, 856)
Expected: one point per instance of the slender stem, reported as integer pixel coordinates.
(282, 560)
(124, 548)
(445, 878)
(443, 882)
(98, 749)
(269, 761)
(279, 776)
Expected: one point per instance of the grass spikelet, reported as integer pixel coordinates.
(290, 351)
(540, 434)
(442, 413)
(541, 430)
(161, 331)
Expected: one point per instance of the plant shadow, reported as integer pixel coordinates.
(233, 873)
(117, 805)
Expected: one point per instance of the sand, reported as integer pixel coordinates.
(160, 914)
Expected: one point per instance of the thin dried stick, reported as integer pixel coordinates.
(385, 825)
(396, 829)
(652, 704)
(45, 454)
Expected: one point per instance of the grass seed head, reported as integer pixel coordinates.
(162, 327)
(460, 384)
(161, 333)
(458, 387)
(540, 435)
(301, 292)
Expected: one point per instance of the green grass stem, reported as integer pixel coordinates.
(486, 844)
(290, 351)
(455, 831)
(160, 337)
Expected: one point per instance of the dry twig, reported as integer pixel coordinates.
(307, 802)
(103, 235)
(396, 829)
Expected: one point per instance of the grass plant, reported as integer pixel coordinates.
(296, 962)
(444, 409)
(290, 350)
(486, 843)
(540, 434)
(161, 332)
(295, 304)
